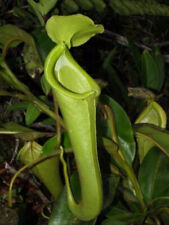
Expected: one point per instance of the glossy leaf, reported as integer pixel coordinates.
(157, 135)
(153, 175)
(21, 132)
(123, 128)
(73, 30)
(32, 113)
(152, 114)
(151, 75)
(47, 171)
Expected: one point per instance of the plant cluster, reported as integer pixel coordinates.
(97, 166)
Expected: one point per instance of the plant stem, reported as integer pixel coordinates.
(58, 131)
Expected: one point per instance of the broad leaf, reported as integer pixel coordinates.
(157, 135)
(122, 125)
(152, 114)
(32, 113)
(73, 30)
(153, 175)
(21, 131)
(32, 151)
(150, 72)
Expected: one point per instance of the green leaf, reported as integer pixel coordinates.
(123, 128)
(99, 5)
(159, 60)
(160, 202)
(73, 30)
(122, 217)
(43, 43)
(113, 78)
(85, 5)
(49, 146)
(157, 135)
(42, 7)
(22, 132)
(141, 7)
(153, 175)
(110, 186)
(18, 106)
(47, 171)
(136, 54)
(150, 72)
(32, 113)
(152, 114)
(11, 36)
(44, 84)
(69, 7)
(33, 63)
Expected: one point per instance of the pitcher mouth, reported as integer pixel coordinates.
(67, 77)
